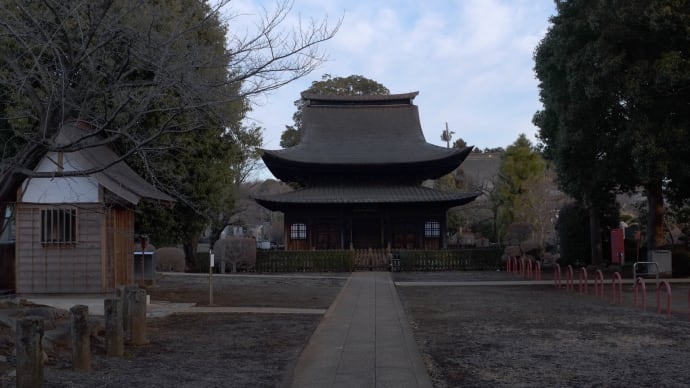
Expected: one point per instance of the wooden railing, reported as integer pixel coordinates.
(372, 259)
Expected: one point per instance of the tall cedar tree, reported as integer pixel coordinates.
(615, 84)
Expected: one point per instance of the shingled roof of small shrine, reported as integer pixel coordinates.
(116, 175)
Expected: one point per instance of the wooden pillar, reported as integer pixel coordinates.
(29, 350)
(114, 333)
(123, 293)
(444, 239)
(81, 337)
(342, 229)
(137, 312)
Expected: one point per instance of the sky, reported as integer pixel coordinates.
(470, 60)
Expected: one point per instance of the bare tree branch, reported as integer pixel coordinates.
(136, 73)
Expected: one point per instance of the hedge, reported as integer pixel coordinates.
(448, 260)
(304, 261)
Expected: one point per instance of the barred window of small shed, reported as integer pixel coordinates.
(59, 226)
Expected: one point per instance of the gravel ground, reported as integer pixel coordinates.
(469, 336)
(200, 350)
(540, 336)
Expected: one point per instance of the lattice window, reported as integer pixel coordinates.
(59, 226)
(432, 229)
(298, 231)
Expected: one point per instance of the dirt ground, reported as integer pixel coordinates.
(469, 336)
(540, 336)
(202, 350)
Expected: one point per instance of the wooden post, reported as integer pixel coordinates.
(210, 276)
(81, 341)
(137, 313)
(114, 337)
(29, 352)
(123, 292)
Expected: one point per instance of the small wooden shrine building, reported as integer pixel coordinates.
(361, 162)
(75, 232)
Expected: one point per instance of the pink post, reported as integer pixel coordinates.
(688, 301)
(529, 269)
(639, 283)
(557, 279)
(569, 278)
(583, 280)
(538, 272)
(515, 264)
(599, 283)
(668, 297)
(522, 266)
(616, 280)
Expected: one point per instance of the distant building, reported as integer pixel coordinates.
(361, 162)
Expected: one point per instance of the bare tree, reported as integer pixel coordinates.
(134, 71)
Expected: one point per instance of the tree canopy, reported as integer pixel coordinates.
(615, 84)
(521, 167)
(143, 75)
(353, 85)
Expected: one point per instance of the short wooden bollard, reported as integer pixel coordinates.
(114, 337)
(137, 313)
(29, 352)
(81, 337)
(123, 292)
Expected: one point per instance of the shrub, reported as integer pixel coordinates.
(235, 250)
(573, 234)
(449, 260)
(305, 261)
(169, 259)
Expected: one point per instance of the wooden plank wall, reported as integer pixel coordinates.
(119, 247)
(67, 268)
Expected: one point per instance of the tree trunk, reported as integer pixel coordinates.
(655, 216)
(595, 237)
(190, 249)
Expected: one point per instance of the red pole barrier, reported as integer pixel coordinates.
(529, 269)
(616, 279)
(569, 278)
(583, 280)
(639, 283)
(668, 297)
(522, 266)
(599, 283)
(557, 280)
(538, 274)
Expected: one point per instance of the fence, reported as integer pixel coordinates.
(305, 261)
(377, 260)
(448, 260)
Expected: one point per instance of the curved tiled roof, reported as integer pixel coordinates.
(368, 131)
(369, 194)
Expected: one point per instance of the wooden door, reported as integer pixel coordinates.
(366, 232)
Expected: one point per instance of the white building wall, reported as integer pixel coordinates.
(60, 189)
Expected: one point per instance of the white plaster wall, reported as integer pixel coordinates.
(60, 189)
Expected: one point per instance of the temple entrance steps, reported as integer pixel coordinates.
(372, 259)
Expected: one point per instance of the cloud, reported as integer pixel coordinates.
(471, 60)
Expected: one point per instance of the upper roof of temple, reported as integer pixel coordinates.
(345, 135)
